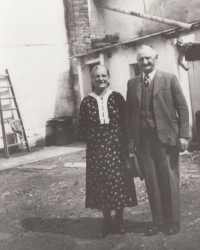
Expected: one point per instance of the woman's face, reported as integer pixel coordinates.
(100, 78)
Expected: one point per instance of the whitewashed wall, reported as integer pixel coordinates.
(108, 22)
(34, 48)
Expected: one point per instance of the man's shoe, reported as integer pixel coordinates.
(154, 230)
(173, 230)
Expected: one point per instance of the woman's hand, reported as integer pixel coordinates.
(128, 165)
(131, 146)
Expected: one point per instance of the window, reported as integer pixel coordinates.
(134, 70)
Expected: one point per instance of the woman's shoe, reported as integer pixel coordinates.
(119, 226)
(106, 229)
(119, 229)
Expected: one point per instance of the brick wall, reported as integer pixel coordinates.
(78, 26)
(78, 29)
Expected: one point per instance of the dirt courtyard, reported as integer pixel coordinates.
(42, 208)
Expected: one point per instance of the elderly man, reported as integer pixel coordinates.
(157, 123)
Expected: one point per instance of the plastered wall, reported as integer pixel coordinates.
(34, 48)
(129, 27)
(179, 10)
(107, 22)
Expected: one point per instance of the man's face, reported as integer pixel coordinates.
(100, 78)
(147, 59)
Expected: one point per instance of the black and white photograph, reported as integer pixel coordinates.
(99, 125)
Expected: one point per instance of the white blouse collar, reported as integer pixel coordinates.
(102, 106)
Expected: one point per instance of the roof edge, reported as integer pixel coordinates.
(167, 34)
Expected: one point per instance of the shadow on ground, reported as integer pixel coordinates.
(83, 228)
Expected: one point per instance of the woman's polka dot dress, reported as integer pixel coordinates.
(108, 184)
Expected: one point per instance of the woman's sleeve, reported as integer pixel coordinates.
(83, 119)
(122, 105)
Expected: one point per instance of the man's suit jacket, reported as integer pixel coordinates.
(169, 104)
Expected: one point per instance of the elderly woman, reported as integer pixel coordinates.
(108, 184)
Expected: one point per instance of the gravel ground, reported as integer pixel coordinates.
(42, 207)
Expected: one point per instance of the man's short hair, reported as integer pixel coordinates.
(143, 46)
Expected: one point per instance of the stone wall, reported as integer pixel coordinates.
(78, 28)
(34, 47)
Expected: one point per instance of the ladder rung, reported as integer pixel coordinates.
(3, 76)
(6, 87)
(6, 98)
(11, 133)
(9, 88)
(15, 144)
(9, 109)
(7, 120)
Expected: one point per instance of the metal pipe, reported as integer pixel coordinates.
(147, 16)
(182, 47)
(181, 62)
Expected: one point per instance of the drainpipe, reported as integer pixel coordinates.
(182, 47)
(145, 16)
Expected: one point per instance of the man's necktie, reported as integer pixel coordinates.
(146, 81)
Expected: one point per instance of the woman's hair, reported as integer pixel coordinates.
(97, 67)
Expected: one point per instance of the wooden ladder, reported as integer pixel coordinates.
(10, 95)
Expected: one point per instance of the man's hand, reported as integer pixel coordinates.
(183, 144)
(131, 147)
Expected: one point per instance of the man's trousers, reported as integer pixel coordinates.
(160, 164)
